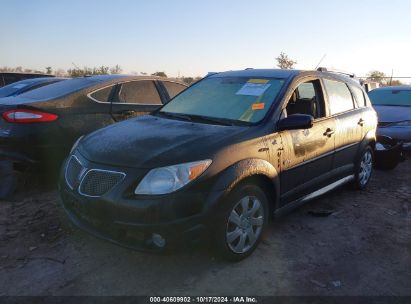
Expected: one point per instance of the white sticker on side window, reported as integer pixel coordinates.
(254, 87)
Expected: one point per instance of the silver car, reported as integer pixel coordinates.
(393, 105)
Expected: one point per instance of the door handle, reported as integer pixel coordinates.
(361, 122)
(329, 132)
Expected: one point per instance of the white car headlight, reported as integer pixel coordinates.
(405, 123)
(76, 144)
(169, 179)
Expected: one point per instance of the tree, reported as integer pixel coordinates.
(188, 80)
(159, 74)
(60, 73)
(284, 62)
(103, 70)
(377, 76)
(395, 82)
(49, 70)
(116, 69)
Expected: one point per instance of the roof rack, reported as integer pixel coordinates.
(322, 69)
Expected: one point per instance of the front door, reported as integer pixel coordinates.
(307, 154)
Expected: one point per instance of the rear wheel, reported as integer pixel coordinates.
(241, 226)
(363, 169)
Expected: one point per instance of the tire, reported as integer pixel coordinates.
(363, 169)
(8, 179)
(238, 231)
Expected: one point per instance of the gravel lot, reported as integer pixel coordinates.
(362, 248)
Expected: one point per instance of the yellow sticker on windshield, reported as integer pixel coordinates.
(258, 106)
(259, 81)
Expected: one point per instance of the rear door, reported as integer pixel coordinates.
(307, 155)
(135, 98)
(348, 132)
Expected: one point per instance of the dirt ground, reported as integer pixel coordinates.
(362, 248)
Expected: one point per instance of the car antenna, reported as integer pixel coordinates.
(392, 74)
(322, 58)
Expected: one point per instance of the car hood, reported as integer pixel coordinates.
(151, 141)
(393, 113)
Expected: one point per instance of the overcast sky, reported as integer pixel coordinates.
(190, 37)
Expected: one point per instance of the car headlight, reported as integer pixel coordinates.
(405, 123)
(169, 179)
(76, 144)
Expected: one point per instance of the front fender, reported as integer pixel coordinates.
(238, 172)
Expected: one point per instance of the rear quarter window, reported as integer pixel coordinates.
(173, 88)
(359, 96)
(102, 95)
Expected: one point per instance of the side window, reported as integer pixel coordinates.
(339, 96)
(102, 95)
(359, 97)
(306, 99)
(173, 88)
(139, 92)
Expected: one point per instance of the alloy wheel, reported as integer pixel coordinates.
(365, 168)
(245, 224)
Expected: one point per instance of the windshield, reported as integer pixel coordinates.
(396, 97)
(232, 98)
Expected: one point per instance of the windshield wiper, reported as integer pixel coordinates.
(175, 115)
(201, 118)
(220, 121)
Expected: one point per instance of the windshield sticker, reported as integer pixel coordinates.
(254, 87)
(258, 106)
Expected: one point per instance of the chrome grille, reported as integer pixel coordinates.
(98, 182)
(74, 171)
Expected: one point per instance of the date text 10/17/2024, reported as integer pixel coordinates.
(203, 300)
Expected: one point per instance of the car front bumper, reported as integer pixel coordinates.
(181, 218)
(400, 134)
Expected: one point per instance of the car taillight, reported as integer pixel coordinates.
(28, 116)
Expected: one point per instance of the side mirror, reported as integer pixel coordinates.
(296, 122)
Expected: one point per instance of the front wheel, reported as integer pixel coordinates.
(363, 169)
(243, 221)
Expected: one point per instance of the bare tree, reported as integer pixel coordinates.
(159, 74)
(377, 76)
(116, 69)
(284, 62)
(60, 73)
